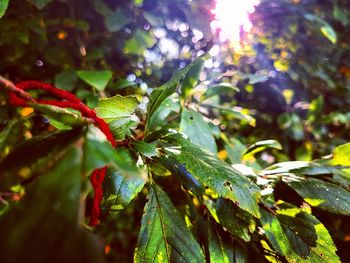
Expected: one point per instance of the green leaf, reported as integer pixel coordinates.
(322, 194)
(197, 130)
(53, 205)
(9, 137)
(220, 89)
(40, 4)
(61, 115)
(66, 80)
(262, 146)
(236, 112)
(213, 173)
(35, 156)
(326, 29)
(160, 94)
(286, 167)
(121, 190)
(98, 153)
(191, 79)
(223, 251)
(164, 236)
(329, 33)
(96, 79)
(148, 150)
(234, 149)
(118, 112)
(297, 235)
(117, 20)
(179, 170)
(139, 42)
(315, 108)
(3, 7)
(235, 220)
(158, 119)
(341, 155)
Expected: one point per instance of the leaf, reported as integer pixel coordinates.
(35, 156)
(341, 155)
(164, 236)
(234, 149)
(236, 112)
(219, 89)
(262, 146)
(117, 20)
(158, 119)
(3, 7)
(53, 205)
(40, 4)
(329, 33)
(96, 79)
(297, 235)
(61, 115)
(139, 42)
(9, 137)
(197, 130)
(235, 220)
(121, 190)
(254, 78)
(286, 167)
(148, 150)
(179, 170)
(326, 29)
(213, 173)
(322, 194)
(66, 80)
(160, 94)
(191, 79)
(118, 112)
(98, 153)
(223, 251)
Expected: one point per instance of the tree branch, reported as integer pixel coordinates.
(9, 86)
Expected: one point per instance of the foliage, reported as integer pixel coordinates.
(194, 177)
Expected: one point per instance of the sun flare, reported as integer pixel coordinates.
(231, 16)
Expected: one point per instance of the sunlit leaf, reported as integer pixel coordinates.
(160, 94)
(341, 155)
(197, 130)
(323, 195)
(164, 236)
(262, 146)
(3, 7)
(329, 33)
(213, 173)
(297, 235)
(225, 252)
(118, 112)
(139, 42)
(191, 79)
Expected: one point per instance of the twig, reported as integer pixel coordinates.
(9, 86)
